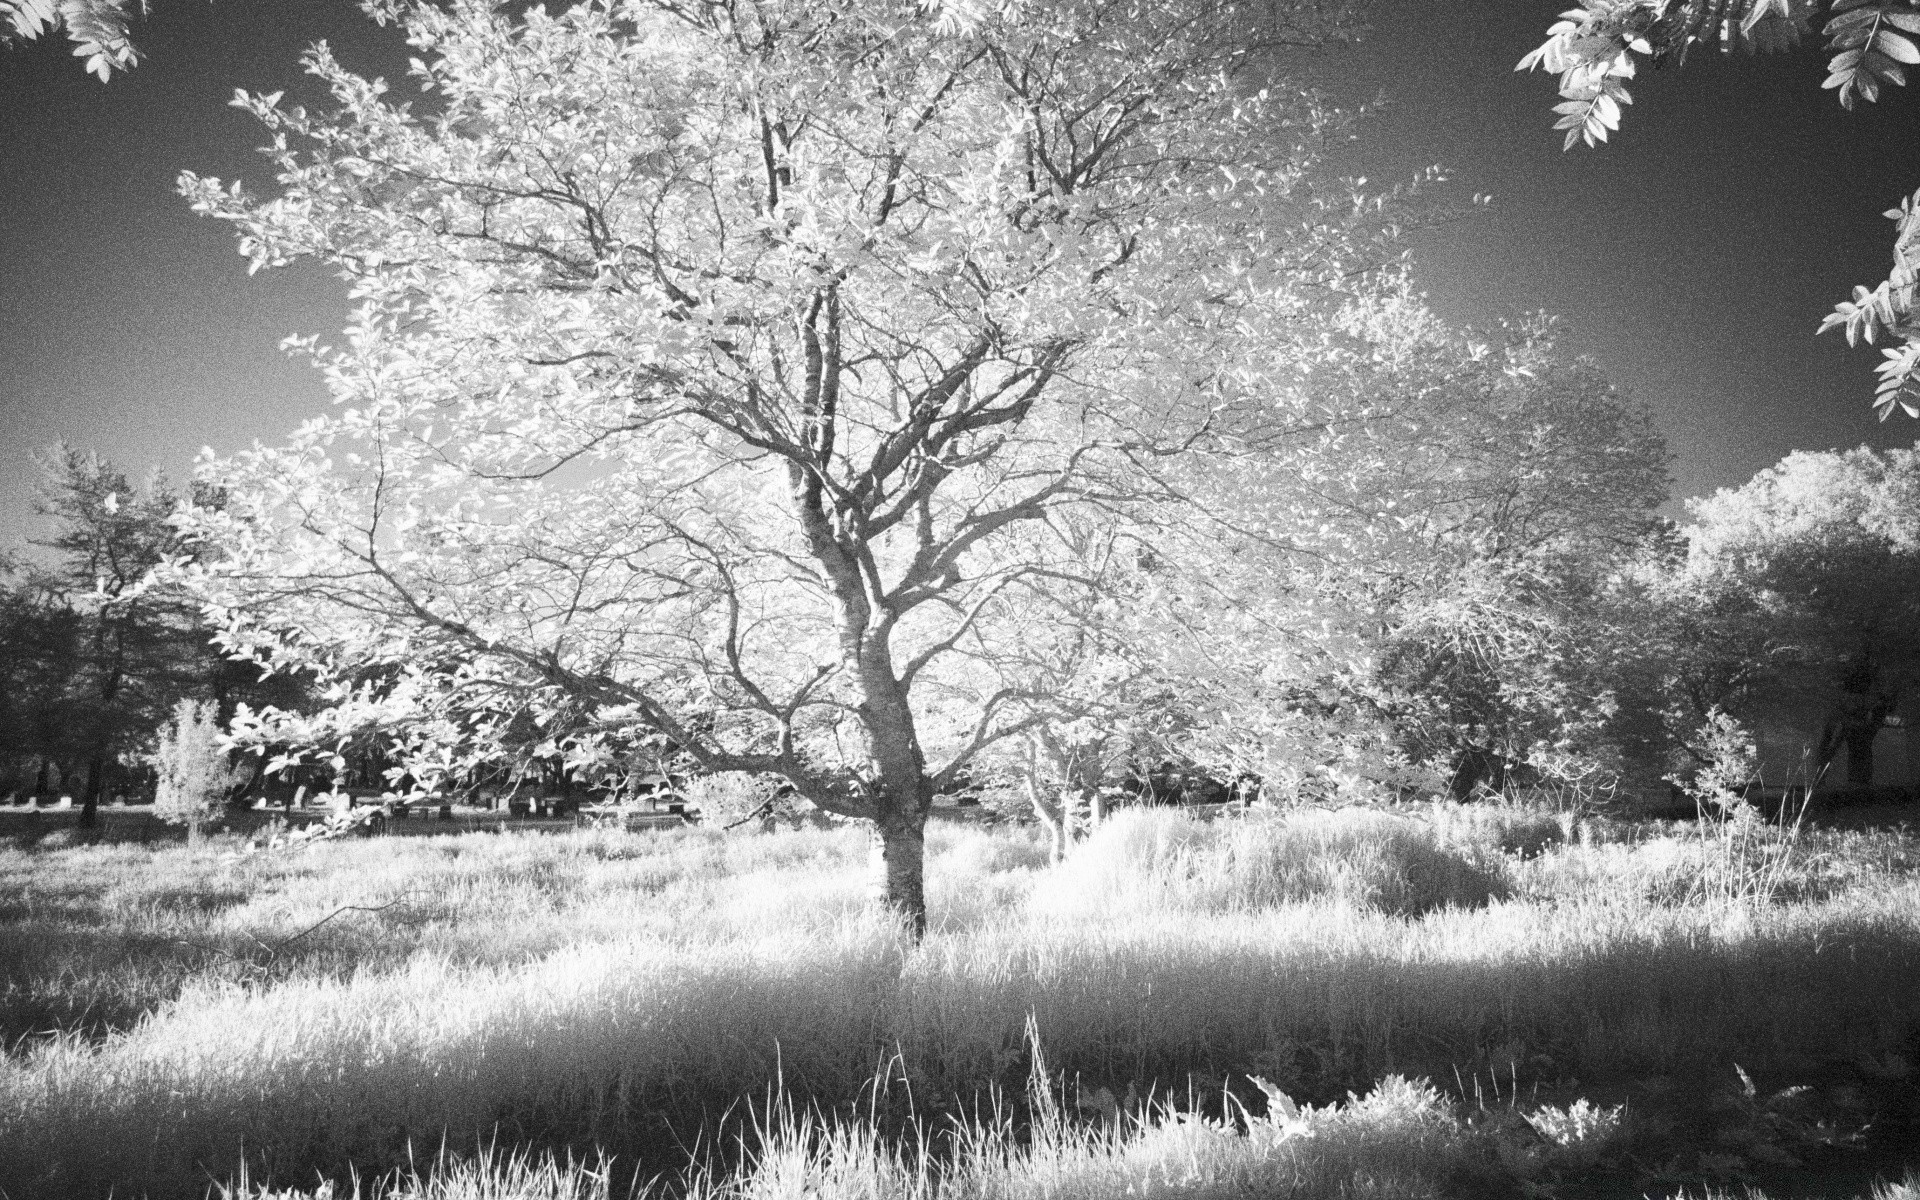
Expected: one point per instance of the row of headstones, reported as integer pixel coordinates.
(28, 800)
(542, 806)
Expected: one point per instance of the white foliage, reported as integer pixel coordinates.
(191, 763)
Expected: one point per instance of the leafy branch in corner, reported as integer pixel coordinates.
(1871, 43)
(97, 29)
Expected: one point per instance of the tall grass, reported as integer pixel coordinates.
(1402, 1141)
(94, 938)
(1155, 859)
(606, 993)
(1398, 1141)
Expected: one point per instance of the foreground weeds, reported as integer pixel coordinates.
(569, 998)
(1402, 1141)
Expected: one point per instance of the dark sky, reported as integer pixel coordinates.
(1693, 258)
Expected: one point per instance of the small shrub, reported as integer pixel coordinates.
(192, 765)
(1580, 1133)
(1748, 857)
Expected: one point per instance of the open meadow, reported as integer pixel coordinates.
(1150, 664)
(1524, 1002)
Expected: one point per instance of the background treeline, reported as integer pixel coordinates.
(1603, 654)
(94, 651)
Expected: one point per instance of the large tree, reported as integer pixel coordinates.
(1456, 537)
(1823, 549)
(1595, 49)
(726, 373)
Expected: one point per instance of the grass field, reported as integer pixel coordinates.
(1441, 1002)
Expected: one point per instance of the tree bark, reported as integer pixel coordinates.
(1859, 740)
(899, 855)
(96, 781)
(1471, 768)
(1053, 818)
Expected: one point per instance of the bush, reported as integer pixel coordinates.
(192, 765)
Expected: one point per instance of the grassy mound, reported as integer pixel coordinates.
(1152, 859)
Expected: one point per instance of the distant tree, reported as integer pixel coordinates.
(1789, 599)
(1826, 546)
(39, 645)
(96, 649)
(133, 648)
(1872, 43)
(1456, 539)
(1674, 647)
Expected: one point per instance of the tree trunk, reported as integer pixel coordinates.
(898, 791)
(899, 856)
(96, 781)
(1469, 770)
(1859, 740)
(1053, 818)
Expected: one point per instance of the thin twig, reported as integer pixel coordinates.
(272, 951)
(760, 811)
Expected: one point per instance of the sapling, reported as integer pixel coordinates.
(192, 767)
(1751, 857)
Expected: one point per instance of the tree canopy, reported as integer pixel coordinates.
(1827, 547)
(734, 377)
(1453, 532)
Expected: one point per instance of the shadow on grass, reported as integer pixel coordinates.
(636, 1049)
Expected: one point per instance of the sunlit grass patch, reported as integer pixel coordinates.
(1148, 859)
(325, 1072)
(571, 993)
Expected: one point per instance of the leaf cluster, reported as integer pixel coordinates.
(97, 29)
